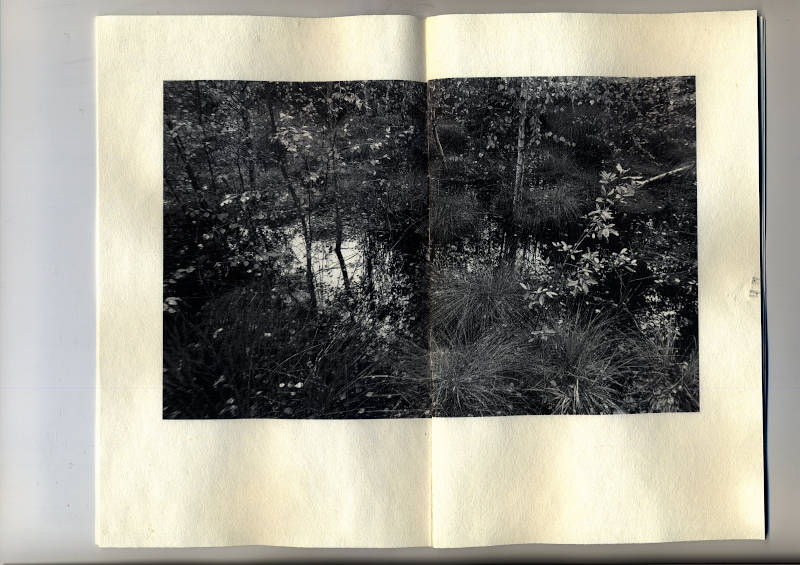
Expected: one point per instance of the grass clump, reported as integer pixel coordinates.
(470, 303)
(589, 365)
(557, 209)
(482, 378)
(453, 217)
(660, 378)
(580, 367)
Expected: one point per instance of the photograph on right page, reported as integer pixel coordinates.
(563, 245)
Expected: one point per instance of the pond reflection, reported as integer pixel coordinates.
(324, 263)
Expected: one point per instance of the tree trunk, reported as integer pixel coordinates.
(202, 121)
(338, 219)
(304, 217)
(519, 173)
(368, 252)
(311, 287)
(190, 172)
(241, 177)
(309, 247)
(248, 138)
(333, 166)
(664, 175)
(432, 126)
(520, 168)
(338, 248)
(307, 239)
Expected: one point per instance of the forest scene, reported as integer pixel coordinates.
(563, 245)
(391, 249)
(295, 245)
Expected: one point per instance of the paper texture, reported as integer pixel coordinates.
(446, 482)
(647, 477)
(233, 482)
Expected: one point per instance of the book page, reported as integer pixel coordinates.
(624, 445)
(187, 461)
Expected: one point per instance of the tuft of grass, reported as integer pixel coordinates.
(482, 378)
(469, 303)
(580, 367)
(557, 209)
(661, 378)
(398, 386)
(453, 217)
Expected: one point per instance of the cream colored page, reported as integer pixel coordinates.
(227, 482)
(648, 477)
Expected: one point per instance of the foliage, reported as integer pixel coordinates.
(479, 378)
(470, 303)
(580, 368)
(295, 231)
(481, 246)
(584, 240)
(664, 378)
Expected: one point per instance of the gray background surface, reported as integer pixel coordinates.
(47, 324)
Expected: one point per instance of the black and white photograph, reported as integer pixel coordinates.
(394, 249)
(295, 245)
(563, 245)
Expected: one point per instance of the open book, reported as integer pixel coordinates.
(386, 281)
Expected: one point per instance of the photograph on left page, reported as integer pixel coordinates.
(295, 242)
